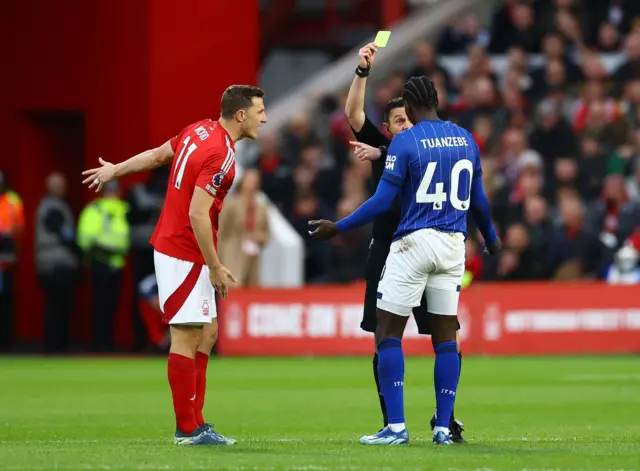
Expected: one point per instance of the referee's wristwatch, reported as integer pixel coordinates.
(363, 72)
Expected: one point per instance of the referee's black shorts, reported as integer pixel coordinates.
(378, 251)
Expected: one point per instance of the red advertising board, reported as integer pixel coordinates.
(503, 319)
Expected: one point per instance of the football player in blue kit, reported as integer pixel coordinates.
(435, 169)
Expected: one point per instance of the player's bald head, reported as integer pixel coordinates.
(238, 97)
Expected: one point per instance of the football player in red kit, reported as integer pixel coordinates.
(202, 159)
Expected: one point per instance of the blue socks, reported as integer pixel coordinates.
(391, 376)
(446, 373)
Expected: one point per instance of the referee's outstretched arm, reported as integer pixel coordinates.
(354, 108)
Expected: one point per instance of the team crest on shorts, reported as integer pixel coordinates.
(217, 179)
(205, 308)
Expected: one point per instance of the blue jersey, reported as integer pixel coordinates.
(434, 163)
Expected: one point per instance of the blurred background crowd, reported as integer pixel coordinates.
(560, 142)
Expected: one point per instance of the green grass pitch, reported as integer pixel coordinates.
(534, 414)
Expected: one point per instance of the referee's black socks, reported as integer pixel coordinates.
(383, 406)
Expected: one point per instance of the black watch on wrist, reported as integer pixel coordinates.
(360, 72)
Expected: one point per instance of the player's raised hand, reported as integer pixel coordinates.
(367, 55)
(364, 152)
(324, 230)
(97, 177)
(221, 278)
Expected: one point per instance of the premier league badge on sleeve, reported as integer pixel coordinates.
(217, 179)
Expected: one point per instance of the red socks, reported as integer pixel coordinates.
(182, 379)
(201, 385)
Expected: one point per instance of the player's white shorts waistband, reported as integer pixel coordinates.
(185, 292)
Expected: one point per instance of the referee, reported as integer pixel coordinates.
(372, 145)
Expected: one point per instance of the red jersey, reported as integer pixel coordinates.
(205, 158)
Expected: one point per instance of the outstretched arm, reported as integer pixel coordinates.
(379, 203)
(147, 160)
(354, 107)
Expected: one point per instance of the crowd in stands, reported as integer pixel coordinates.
(560, 141)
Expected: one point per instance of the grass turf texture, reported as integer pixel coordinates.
(308, 414)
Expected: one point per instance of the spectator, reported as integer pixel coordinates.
(593, 92)
(603, 124)
(604, 213)
(306, 207)
(625, 270)
(516, 154)
(483, 101)
(275, 171)
(145, 202)
(620, 13)
(299, 134)
(565, 176)
(517, 239)
(375, 109)
(609, 38)
(103, 234)
(575, 252)
(482, 132)
(474, 262)
(479, 65)
(426, 64)
(347, 252)
(630, 105)
(554, 49)
(57, 262)
(568, 25)
(508, 203)
(464, 32)
(11, 231)
(593, 166)
(630, 68)
(244, 230)
(594, 71)
(540, 230)
(554, 78)
(633, 182)
(149, 307)
(552, 136)
(397, 79)
(519, 30)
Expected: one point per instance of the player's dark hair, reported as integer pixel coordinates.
(394, 103)
(238, 97)
(421, 93)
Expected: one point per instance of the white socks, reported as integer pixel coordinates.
(395, 428)
(441, 429)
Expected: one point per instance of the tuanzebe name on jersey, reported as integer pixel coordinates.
(438, 160)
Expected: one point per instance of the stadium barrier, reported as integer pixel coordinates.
(496, 319)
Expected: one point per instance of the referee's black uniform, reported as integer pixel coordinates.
(384, 226)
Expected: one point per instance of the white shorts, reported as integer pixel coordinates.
(423, 259)
(186, 294)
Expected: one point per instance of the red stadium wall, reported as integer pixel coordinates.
(496, 319)
(117, 77)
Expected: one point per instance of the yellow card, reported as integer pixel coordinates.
(382, 38)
